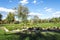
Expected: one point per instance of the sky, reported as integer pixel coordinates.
(44, 9)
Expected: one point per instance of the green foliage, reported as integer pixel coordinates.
(10, 17)
(22, 13)
(0, 16)
(55, 20)
(35, 19)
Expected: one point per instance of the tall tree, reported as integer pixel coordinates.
(10, 17)
(35, 19)
(22, 13)
(0, 17)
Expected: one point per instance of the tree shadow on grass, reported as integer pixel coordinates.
(39, 36)
(32, 36)
(50, 37)
(36, 36)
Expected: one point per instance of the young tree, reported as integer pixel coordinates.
(35, 19)
(22, 13)
(10, 17)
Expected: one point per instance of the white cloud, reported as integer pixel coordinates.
(23, 2)
(2, 9)
(56, 14)
(34, 13)
(45, 7)
(48, 9)
(34, 2)
(53, 13)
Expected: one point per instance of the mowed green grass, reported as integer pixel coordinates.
(21, 25)
(42, 36)
(49, 25)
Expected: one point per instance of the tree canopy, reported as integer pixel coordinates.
(10, 17)
(22, 13)
(0, 16)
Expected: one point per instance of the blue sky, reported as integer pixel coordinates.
(42, 8)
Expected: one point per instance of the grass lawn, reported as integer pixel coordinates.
(20, 26)
(39, 36)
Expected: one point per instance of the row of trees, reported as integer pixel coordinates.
(36, 19)
(9, 19)
(22, 15)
